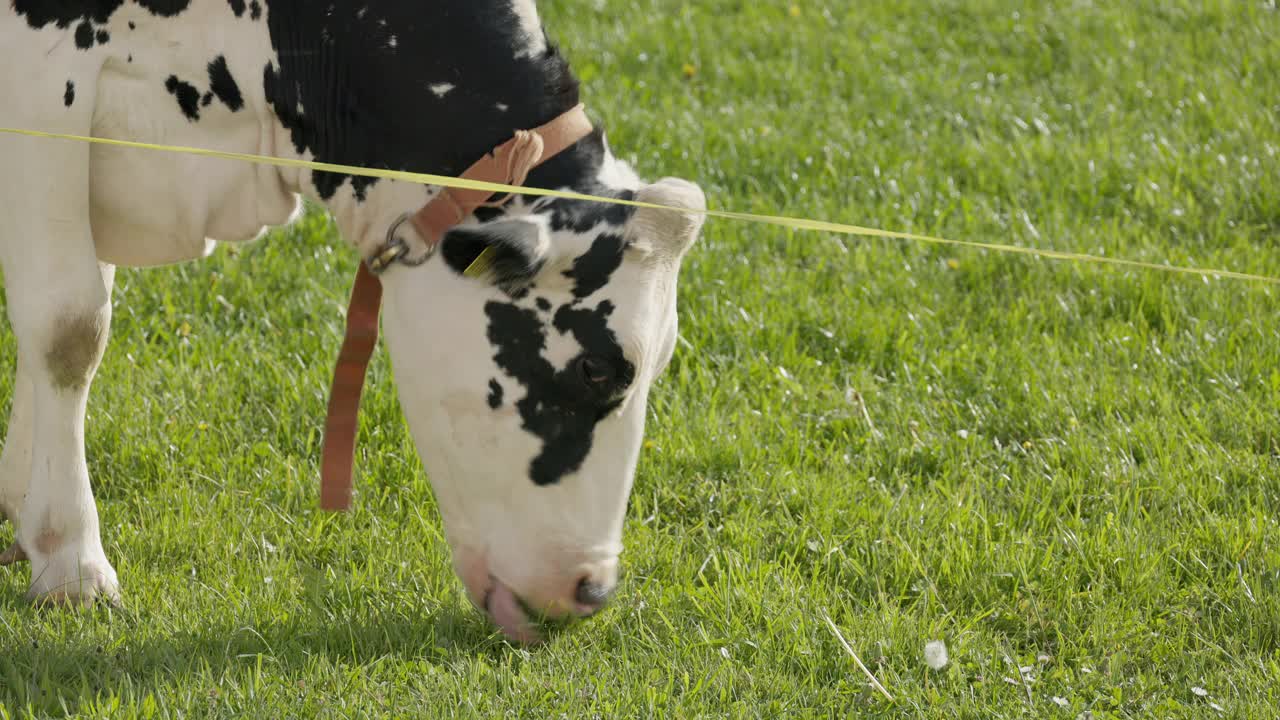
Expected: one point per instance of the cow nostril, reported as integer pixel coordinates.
(592, 595)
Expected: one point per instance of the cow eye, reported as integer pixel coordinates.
(595, 371)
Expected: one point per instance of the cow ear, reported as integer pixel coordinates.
(505, 253)
(669, 230)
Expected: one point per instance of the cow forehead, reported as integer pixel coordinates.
(599, 302)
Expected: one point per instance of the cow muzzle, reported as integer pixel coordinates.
(527, 614)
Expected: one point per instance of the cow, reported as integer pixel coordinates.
(524, 389)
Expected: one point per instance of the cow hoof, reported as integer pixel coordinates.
(73, 579)
(13, 555)
(72, 600)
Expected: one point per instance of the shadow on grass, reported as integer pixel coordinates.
(133, 659)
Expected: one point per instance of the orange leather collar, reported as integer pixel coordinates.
(507, 164)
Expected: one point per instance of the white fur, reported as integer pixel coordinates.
(527, 11)
(616, 173)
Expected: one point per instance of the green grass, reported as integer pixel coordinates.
(1070, 474)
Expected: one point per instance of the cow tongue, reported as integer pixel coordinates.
(507, 614)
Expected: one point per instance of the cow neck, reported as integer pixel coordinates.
(510, 164)
(406, 86)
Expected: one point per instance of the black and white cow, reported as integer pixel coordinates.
(525, 396)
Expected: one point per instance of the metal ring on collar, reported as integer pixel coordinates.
(396, 250)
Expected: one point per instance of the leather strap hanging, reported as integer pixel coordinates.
(508, 164)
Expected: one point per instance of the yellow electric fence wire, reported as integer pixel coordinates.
(787, 222)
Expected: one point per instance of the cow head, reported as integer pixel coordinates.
(525, 388)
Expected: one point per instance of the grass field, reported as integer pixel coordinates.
(1069, 474)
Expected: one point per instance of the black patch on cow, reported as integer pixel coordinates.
(364, 103)
(163, 8)
(188, 97)
(132, 26)
(223, 85)
(65, 13)
(255, 10)
(566, 171)
(592, 269)
(543, 304)
(495, 393)
(559, 407)
(69, 96)
(130, 58)
(581, 216)
(103, 37)
(84, 35)
(360, 187)
(237, 7)
(206, 100)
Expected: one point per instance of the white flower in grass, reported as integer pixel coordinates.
(935, 654)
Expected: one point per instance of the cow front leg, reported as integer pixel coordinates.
(58, 526)
(58, 298)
